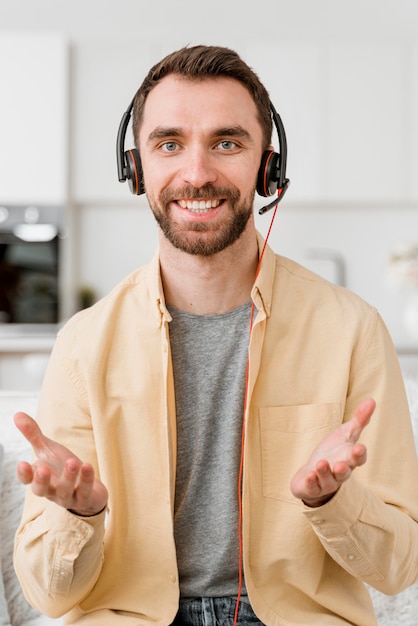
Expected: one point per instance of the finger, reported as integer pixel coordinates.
(66, 485)
(359, 455)
(365, 410)
(41, 481)
(30, 430)
(320, 486)
(313, 487)
(24, 472)
(341, 471)
(85, 485)
(328, 479)
(360, 419)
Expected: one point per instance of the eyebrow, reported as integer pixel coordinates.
(162, 132)
(234, 131)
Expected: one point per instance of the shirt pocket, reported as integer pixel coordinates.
(289, 435)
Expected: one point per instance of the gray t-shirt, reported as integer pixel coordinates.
(209, 360)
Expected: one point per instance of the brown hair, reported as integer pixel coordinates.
(199, 63)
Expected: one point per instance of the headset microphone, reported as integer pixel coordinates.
(276, 201)
(271, 177)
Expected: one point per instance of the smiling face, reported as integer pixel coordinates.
(200, 144)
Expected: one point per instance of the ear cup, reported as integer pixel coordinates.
(268, 173)
(134, 172)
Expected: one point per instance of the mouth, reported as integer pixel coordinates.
(199, 206)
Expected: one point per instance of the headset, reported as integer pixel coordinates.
(271, 174)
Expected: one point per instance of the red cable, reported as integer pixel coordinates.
(241, 465)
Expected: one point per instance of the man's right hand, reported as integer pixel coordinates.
(57, 474)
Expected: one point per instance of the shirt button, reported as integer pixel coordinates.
(351, 557)
(173, 578)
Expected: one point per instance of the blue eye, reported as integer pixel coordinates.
(170, 146)
(227, 145)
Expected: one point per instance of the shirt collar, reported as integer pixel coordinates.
(261, 292)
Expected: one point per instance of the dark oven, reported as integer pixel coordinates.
(29, 265)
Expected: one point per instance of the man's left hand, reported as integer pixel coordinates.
(333, 461)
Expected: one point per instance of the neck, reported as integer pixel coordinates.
(209, 285)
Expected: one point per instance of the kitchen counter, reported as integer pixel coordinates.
(27, 337)
(24, 355)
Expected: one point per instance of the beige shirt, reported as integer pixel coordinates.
(316, 351)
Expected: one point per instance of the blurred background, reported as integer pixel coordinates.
(344, 78)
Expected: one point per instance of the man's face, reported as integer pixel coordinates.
(200, 144)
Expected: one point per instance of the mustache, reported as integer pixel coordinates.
(188, 192)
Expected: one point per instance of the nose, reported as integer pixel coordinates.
(198, 168)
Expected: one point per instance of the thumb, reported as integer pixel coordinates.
(360, 419)
(30, 430)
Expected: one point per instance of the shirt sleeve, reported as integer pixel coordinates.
(63, 555)
(372, 540)
(58, 556)
(370, 526)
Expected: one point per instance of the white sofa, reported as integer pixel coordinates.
(14, 610)
(399, 610)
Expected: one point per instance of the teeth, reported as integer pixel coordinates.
(199, 206)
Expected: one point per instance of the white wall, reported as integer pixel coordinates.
(344, 77)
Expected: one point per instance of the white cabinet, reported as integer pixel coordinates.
(350, 110)
(293, 75)
(33, 118)
(369, 119)
(414, 129)
(107, 74)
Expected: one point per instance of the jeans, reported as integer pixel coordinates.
(214, 612)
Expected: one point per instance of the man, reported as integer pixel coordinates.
(212, 406)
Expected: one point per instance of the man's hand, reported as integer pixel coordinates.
(59, 475)
(333, 461)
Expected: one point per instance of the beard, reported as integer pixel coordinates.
(198, 238)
